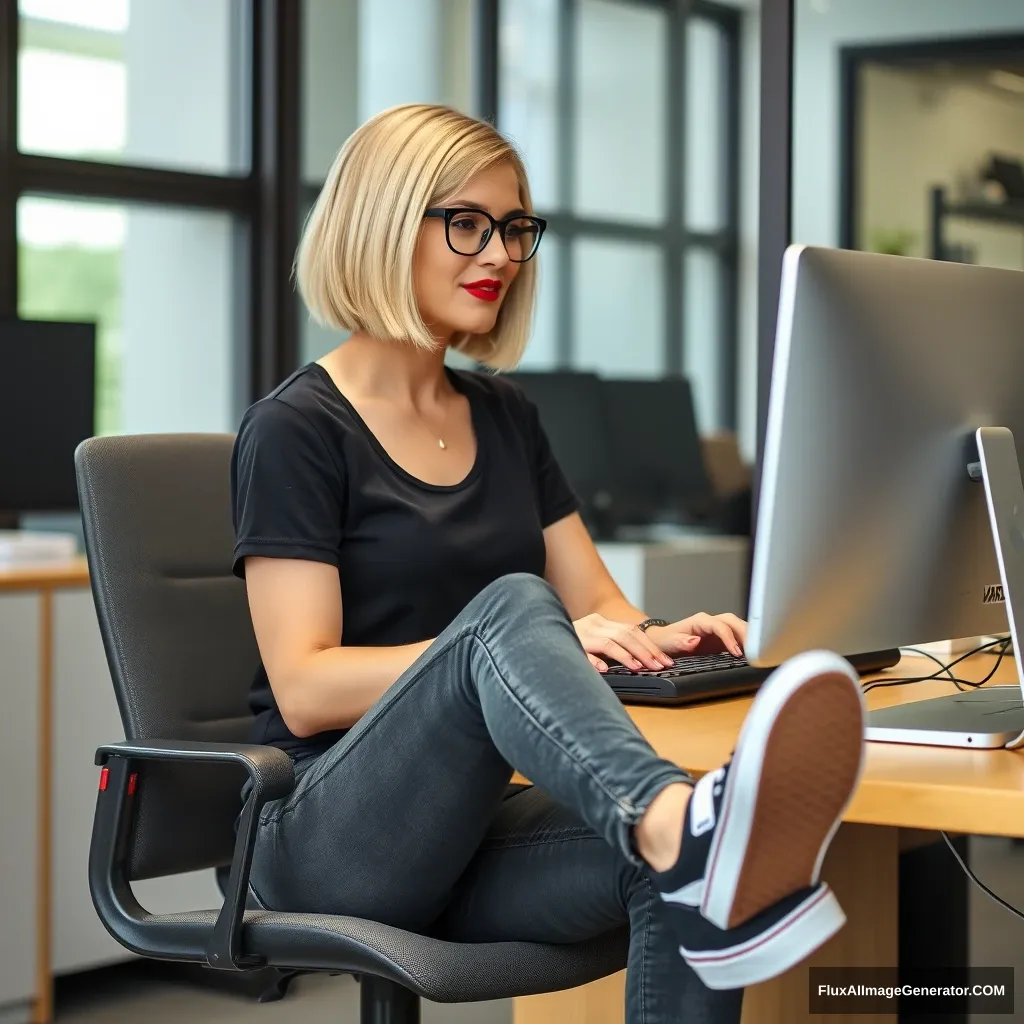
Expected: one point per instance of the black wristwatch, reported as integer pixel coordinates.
(647, 623)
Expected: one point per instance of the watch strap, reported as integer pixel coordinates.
(647, 623)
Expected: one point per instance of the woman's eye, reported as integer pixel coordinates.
(464, 223)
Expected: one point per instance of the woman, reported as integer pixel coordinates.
(430, 612)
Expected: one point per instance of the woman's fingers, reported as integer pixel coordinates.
(640, 646)
(727, 636)
(597, 662)
(610, 649)
(737, 625)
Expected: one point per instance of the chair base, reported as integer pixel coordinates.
(278, 982)
(386, 1002)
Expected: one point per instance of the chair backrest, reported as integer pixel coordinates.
(175, 626)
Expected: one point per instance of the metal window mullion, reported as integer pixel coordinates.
(51, 175)
(565, 318)
(8, 157)
(729, 296)
(487, 14)
(674, 254)
(276, 146)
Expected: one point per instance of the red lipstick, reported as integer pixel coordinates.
(488, 290)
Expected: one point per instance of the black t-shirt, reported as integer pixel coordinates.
(309, 480)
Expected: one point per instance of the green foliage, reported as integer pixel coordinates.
(72, 283)
(893, 241)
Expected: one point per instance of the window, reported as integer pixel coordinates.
(626, 114)
(164, 362)
(130, 196)
(361, 57)
(150, 83)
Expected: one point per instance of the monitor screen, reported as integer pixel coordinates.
(49, 382)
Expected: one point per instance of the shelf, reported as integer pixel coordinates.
(998, 213)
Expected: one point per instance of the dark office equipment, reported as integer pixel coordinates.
(49, 376)
(1008, 172)
(572, 411)
(696, 678)
(657, 452)
(181, 652)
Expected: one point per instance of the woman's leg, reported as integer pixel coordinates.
(542, 876)
(385, 822)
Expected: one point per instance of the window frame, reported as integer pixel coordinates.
(674, 238)
(262, 200)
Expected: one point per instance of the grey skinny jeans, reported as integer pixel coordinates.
(410, 818)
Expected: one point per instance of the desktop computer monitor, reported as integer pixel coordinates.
(48, 370)
(891, 509)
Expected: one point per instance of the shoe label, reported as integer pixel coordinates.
(702, 804)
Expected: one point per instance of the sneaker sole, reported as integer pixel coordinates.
(775, 951)
(807, 722)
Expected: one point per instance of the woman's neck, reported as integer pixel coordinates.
(393, 370)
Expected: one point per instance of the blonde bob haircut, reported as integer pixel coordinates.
(354, 265)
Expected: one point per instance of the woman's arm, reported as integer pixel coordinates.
(296, 611)
(580, 577)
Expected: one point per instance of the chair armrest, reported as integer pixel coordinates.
(272, 776)
(269, 768)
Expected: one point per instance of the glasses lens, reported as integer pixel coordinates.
(468, 232)
(522, 237)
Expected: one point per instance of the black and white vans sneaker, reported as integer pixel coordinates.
(746, 892)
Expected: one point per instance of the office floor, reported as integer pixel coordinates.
(168, 994)
(158, 994)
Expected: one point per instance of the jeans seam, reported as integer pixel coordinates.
(629, 814)
(427, 663)
(643, 956)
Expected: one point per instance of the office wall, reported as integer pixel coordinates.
(918, 131)
(822, 28)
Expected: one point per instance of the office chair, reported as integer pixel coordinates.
(181, 651)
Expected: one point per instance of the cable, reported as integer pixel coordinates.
(978, 882)
(927, 654)
(944, 669)
(1004, 644)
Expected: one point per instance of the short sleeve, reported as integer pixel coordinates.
(287, 488)
(555, 496)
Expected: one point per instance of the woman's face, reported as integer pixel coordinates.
(462, 294)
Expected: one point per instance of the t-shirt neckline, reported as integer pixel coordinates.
(381, 451)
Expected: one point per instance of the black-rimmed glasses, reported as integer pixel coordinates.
(468, 231)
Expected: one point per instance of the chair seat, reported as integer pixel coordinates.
(444, 972)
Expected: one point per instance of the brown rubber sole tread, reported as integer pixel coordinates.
(811, 763)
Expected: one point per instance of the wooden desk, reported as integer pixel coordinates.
(904, 788)
(27, 599)
(59, 707)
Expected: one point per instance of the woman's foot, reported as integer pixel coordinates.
(745, 890)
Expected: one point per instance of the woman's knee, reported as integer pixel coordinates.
(519, 588)
(514, 601)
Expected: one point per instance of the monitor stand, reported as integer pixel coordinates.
(992, 716)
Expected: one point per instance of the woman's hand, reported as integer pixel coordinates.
(712, 633)
(604, 639)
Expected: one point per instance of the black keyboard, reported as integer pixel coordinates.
(699, 677)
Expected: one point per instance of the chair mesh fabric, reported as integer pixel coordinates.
(445, 972)
(175, 627)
